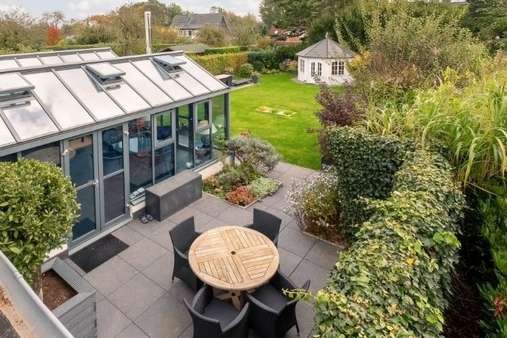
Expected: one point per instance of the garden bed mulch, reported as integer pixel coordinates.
(55, 290)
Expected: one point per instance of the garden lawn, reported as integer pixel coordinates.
(282, 112)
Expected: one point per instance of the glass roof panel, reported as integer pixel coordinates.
(128, 98)
(8, 64)
(164, 80)
(142, 85)
(106, 54)
(29, 62)
(191, 84)
(30, 120)
(57, 99)
(51, 60)
(89, 56)
(93, 97)
(5, 135)
(203, 76)
(105, 70)
(69, 58)
(13, 82)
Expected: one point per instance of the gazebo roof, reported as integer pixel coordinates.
(326, 49)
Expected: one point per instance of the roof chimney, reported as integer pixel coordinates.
(147, 28)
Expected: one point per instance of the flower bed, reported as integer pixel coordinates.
(245, 181)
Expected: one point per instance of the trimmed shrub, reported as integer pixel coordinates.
(254, 153)
(221, 63)
(272, 58)
(366, 165)
(246, 70)
(37, 210)
(241, 196)
(226, 50)
(393, 280)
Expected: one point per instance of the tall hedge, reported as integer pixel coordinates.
(37, 210)
(366, 165)
(271, 58)
(393, 280)
(222, 63)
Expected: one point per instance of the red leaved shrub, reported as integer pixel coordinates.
(241, 196)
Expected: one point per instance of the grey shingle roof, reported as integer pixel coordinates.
(327, 49)
(197, 21)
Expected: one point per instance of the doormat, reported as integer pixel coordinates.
(97, 253)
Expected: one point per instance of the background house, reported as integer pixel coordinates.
(190, 24)
(324, 62)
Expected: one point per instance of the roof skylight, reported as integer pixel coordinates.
(168, 62)
(105, 72)
(14, 89)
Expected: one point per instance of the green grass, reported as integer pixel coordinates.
(293, 131)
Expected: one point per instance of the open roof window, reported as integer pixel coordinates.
(14, 90)
(169, 63)
(106, 73)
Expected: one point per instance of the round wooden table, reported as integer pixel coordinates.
(233, 259)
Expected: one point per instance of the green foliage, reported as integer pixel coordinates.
(317, 203)
(365, 165)
(271, 58)
(246, 70)
(212, 36)
(222, 63)
(393, 280)
(488, 20)
(263, 186)
(226, 50)
(494, 228)
(258, 155)
(37, 210)
(468, 125)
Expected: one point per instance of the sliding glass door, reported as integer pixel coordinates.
(112, 171)
(82, 170)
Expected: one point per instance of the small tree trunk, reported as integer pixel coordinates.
(37, 282)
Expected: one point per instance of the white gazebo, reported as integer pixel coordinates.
(324, 62)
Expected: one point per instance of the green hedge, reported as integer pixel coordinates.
(222, 63)
(393, 279)
(366, 165)
(226, 50)
(270, 59)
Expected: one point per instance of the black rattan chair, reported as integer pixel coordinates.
(272, 313)
(267, 224)
(182, 237)
(213, 318)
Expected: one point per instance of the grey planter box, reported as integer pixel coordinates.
(168, 197)
(78, 314)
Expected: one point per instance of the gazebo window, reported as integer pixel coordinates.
(319, 69)
(302, 66)
(313, 68)
(341, 68)
(334, 68)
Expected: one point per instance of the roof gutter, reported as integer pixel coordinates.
(37, 316)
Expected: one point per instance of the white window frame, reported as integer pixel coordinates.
(302, 66)
(334, 68)
(341, 67)
(313, 69)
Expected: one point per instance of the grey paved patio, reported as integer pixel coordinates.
(136, 297)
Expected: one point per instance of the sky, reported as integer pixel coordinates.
(79, 9)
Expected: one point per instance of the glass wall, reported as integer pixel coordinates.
(184, 139)
(140, 153)
(113, 173)
(47, 153)
(203, 131)
(82, 174)
(164, 146)
(219, 126)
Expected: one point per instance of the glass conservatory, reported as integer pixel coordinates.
(115, 125)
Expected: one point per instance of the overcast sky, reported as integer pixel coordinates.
(83, 8)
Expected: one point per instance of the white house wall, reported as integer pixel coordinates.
(326, 77)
